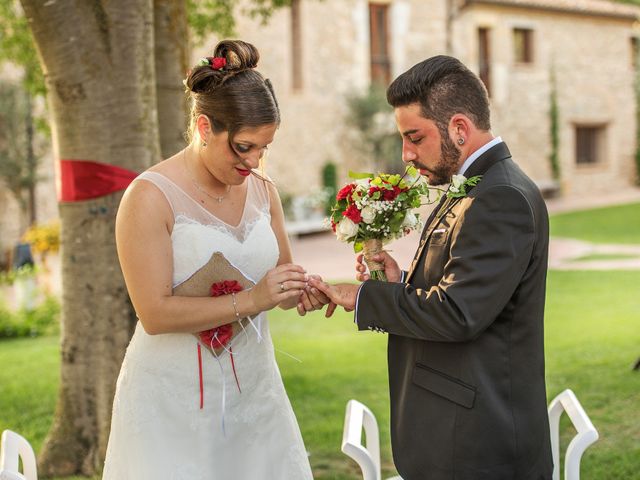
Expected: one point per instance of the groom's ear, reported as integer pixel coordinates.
(460, 126)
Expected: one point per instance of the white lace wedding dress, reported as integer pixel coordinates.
(158, 430)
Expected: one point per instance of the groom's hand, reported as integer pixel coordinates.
(343, 294)
(391, 268)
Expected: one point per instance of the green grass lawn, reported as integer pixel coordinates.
(593, 337)
(618, 224)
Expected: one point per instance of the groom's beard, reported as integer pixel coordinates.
(446, 167)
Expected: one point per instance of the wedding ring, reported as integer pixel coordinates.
(282, 287)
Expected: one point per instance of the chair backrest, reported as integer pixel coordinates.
(587, 434)
(358, 417)
(12, 448)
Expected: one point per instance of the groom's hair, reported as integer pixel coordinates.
(443, 86)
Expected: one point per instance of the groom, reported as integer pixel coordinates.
(465, 323)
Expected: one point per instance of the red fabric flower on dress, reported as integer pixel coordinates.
(219, 336)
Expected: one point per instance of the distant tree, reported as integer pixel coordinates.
(18, 162)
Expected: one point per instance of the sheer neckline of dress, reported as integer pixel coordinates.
(244, 206)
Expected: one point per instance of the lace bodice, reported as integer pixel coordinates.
(251, 246)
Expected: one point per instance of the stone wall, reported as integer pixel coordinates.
(594, 84)
(591, 55)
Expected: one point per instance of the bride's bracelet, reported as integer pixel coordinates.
(235, 306)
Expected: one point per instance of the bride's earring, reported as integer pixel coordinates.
(204, 144)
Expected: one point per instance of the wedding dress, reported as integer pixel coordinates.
(243, 431)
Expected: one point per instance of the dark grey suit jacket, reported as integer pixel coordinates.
(466, 350)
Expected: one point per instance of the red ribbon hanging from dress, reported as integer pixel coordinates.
(86, 179)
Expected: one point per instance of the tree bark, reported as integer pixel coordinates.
(172, 62)
(99, 65)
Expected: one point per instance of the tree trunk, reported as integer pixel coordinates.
(98, 61)
(172, 62)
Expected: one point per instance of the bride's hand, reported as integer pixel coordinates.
(391, 268)
(280, 284)
(311, 298)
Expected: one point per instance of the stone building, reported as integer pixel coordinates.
(318, 53)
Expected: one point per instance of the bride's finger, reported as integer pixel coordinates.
(287, 285)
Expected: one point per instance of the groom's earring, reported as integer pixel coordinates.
(461, 141)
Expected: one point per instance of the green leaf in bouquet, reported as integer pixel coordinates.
(411, 171)
(357, 246)
(360, 175)
(394, 179)
(396, 221)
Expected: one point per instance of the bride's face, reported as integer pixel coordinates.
(231, 162)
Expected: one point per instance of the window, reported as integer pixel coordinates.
(523, 45)
(589, 145)
(379, 36)
(296, 46)
(484, 57)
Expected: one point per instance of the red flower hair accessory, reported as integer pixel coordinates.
(218, 63)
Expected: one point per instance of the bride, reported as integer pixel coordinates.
(181, 409)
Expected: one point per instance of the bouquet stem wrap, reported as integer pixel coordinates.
(371, 248)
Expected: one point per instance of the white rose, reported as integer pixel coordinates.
(410, 220)
(346, 229)
(368, 215)
(456, 182)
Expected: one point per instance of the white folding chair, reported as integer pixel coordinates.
(587, 434)
(12, 448)
(358, 417)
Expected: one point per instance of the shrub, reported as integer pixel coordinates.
(43, 320)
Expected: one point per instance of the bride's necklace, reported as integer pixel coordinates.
(200, 189)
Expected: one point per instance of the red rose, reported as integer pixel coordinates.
(345, 192)
(333, 226)
(218, 62)
(353, 214)
(391, 194)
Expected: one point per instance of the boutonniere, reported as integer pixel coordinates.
(460, 183)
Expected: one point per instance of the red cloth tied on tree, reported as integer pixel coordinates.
(85, 180)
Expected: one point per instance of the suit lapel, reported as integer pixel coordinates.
(434, 220)
(479, 167)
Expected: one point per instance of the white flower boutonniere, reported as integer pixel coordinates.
(459, 184)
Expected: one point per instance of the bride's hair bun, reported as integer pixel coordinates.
(229, 90)
(238, 57)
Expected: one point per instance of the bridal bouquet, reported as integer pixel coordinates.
(375, 209)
